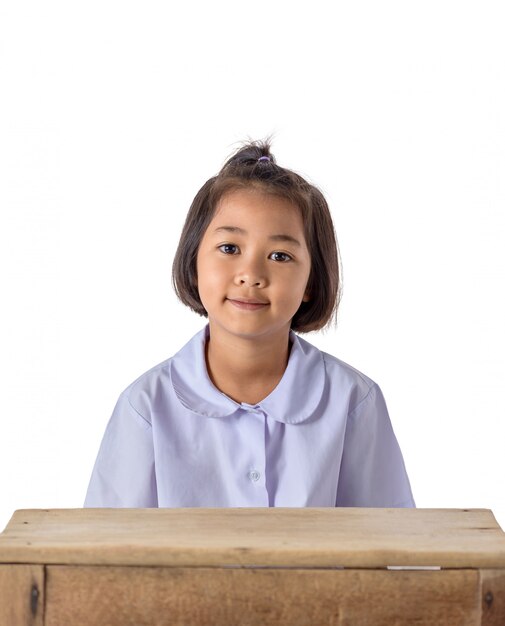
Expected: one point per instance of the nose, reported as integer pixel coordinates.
(251, 274)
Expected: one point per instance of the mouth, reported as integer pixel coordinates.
(247, 304)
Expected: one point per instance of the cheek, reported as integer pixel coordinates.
(208, 277)
(302, 277)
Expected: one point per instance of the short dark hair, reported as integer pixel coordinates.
(246, 169)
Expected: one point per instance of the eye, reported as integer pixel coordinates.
(281, 257)
(228, 248)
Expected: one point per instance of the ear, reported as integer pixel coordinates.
(306, 297)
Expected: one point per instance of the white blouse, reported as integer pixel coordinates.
(322, 437)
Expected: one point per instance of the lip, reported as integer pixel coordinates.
(247, 304)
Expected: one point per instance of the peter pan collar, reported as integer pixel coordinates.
(293, 401)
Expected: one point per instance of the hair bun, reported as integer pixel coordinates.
(251, 153)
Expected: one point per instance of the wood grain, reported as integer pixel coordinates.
(138, 596)
(493, 597)
(285, 537)
(21, 595)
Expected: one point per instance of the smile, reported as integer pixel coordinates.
(248, 306)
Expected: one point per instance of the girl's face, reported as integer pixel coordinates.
(253, 265)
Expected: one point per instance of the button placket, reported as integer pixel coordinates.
(254, 474)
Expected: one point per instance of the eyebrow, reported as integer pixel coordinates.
(241, 231)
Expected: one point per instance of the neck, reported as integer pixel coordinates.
(246, 369)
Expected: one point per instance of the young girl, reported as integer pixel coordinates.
(247, 413)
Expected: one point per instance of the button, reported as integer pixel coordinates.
(254, 475)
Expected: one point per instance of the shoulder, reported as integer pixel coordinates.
(151, 391)
(149, 378)
(340, 370)
(335, 368)
(359, 388)
(344, 380)
(142, 393)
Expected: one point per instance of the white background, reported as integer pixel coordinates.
(113, 114)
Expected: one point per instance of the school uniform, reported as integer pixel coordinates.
(322, 438)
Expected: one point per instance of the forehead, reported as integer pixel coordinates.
(265, 211)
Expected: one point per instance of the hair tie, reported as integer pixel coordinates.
(264, 158)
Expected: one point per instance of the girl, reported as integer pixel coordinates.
(247, 413)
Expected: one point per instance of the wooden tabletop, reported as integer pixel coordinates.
(256, 537)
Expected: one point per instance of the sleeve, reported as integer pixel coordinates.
(124, 473)
(372, 471)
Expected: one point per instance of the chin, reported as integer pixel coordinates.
(254, 331)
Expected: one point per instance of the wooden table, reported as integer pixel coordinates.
(256, 566)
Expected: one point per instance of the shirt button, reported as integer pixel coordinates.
(254, 475)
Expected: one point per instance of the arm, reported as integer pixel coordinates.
(372, 471)
(123, 474)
